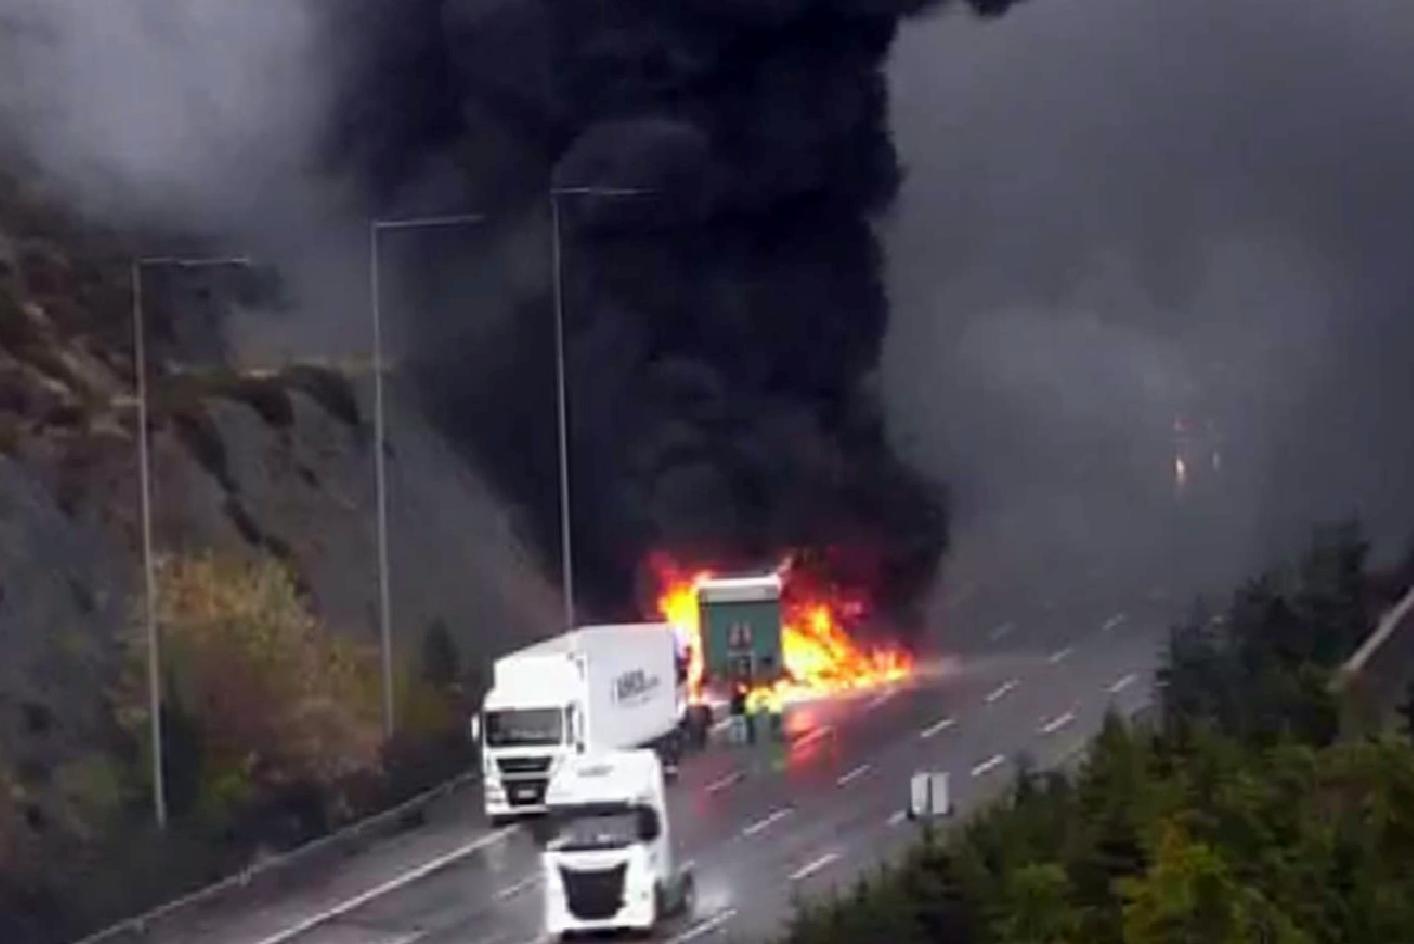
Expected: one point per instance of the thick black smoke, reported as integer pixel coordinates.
(723, 329)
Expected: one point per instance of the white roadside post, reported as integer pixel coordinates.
(562, 411)
(385, 614)
(154, 684)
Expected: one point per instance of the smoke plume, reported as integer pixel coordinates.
(723, 326)
(724, 321)
(1120, 214)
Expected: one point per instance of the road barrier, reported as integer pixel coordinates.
(338, 844)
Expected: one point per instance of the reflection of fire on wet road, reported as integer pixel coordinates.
(820, 657)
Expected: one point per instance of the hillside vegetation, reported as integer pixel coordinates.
(1239, 818)
(267, 585)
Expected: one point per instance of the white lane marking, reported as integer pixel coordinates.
(722, 725)
(1113, 622)
(1058, 722)
(393, 884)
(1001, 632)
(1002, 690)
(720, 784)
(810, 868)
(1060, 655)
(706, 926)
(936, 727)
(854, 774)
(990, 764)
(761, 824)
(510, 891)
(898, 816)
(1123, 683)
(814, 735)
(410, 938)
(876, 702)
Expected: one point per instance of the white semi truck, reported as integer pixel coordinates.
(588, 691)
(608, 863)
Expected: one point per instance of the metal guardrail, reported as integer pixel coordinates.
(133, 928)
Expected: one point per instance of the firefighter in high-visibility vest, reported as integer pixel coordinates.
(756, 707)
(774, 707)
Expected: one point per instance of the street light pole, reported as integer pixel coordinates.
(562, 406)
(154, 683)
(385, 606)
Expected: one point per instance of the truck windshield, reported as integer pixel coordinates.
(583, 830)
(525, 727)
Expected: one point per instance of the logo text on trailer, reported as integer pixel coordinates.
(633, 686)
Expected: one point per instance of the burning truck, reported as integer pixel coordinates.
(775, 633)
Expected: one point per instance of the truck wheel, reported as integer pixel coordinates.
(687, 897)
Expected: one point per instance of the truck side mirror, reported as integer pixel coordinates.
(474, 727)
(648, 827)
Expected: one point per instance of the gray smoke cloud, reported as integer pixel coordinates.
(1116, 214)
(200, 118)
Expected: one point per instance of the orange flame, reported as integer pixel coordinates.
(820, 658)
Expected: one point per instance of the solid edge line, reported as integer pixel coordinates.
(393, 884)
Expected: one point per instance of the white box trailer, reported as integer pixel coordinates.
(593, 690)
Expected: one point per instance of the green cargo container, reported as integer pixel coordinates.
(741, 629)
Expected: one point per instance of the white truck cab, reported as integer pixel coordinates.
(587, 691)
(529, 723)
(608, 857)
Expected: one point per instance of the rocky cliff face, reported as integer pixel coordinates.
(276, 461)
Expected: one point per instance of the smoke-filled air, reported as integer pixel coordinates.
(723, 302)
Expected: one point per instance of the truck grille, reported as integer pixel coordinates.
(596, 894)
(523, 765)
(527, 792)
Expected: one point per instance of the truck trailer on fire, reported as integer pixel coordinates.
(588, 691)
(740, 633)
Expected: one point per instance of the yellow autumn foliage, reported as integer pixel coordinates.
(274, 697)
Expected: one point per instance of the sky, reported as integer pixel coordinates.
(1115, 210)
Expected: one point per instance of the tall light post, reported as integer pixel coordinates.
(562, 411)
(385, 611)
(154, 683)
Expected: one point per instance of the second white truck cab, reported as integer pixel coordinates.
(608, 859)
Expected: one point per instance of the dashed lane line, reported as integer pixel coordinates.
(854, 774)
(810, 868)
(761, 824)
(705, 926)
(1123, 683)
(1058, 722)
(720, 784)
(988, 765)
(936, 727)
(510, 891)
(1002, 690)
(1001, 632)
(880, 700)
(1114, 622)
(897, 816)
(1060, 655)
(812, 736)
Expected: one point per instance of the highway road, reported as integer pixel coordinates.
(761, 824)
